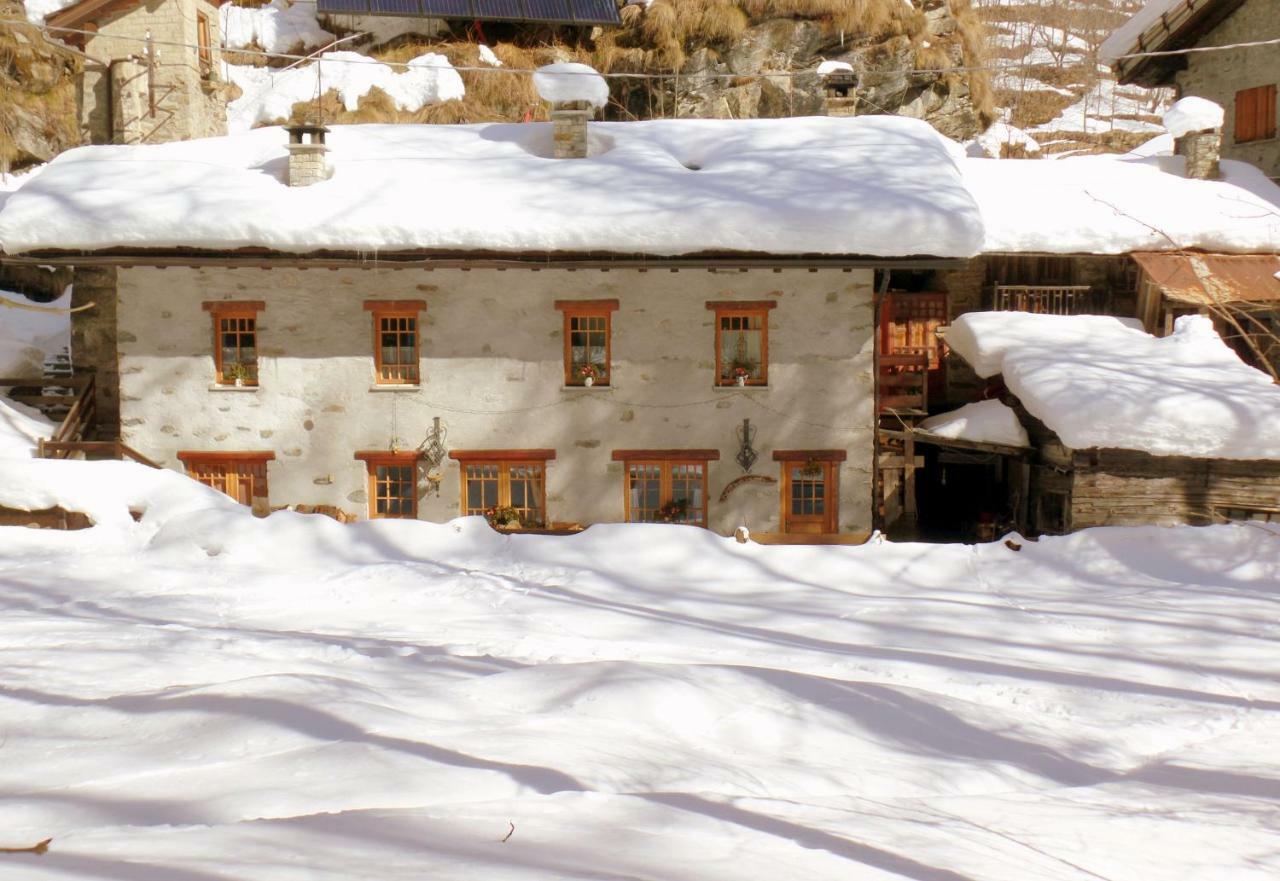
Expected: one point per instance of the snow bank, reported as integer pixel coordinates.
(571, 81)
(659, 187)
(999, 134)
(268, 94)
(1114, 205)
(488, 57)
(985, 421)
(1193, 114)
(280, 26)
(1099, 382)
(38, 10)
(827, 67)
(21, 428)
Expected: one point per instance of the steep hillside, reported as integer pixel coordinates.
(1057, 92)
(37, 94)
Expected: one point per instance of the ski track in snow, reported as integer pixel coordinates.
(206, 696)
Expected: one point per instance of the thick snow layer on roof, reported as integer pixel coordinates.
(1192, 114)
(571, 81)
(881, 186)
(1123, 38)
(1114, 205)
(268, 94)
(20, 429)
(37, 10)
(985, 421)
(1099, 382)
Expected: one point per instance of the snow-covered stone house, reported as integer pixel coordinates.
(411, 332)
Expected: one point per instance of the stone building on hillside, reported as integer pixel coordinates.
(157, 73)
(1243, 80)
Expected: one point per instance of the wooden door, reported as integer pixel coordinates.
(810, 497)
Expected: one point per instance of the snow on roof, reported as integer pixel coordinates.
(571, 81)
(1124, 38)
(20, 429)
(1114, 205)
(879, 186)
(827, 67)
(1192, 114)
(1098, 382)
(984, 421)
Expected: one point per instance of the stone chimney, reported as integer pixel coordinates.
(574, 91)
(306, 155)
(569, 129)
(1201, 150)
(1196, 126)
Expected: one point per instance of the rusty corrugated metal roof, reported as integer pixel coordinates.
(1206, 279)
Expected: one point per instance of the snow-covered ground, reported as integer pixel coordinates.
(202, 695)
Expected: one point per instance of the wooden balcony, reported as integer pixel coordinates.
(1044, 299)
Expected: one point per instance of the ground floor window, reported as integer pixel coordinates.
(810, 490)
(240, 474)
(393, 484)
(666, 486)
(509, 487)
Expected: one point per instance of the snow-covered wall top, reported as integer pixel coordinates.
(881, 186)
(1099, 382)
(1115, 205)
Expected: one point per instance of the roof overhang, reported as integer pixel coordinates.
(1215, 279)
(1178, 28)
(259, 258)
(86, 14)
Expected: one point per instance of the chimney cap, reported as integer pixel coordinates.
(570, 82)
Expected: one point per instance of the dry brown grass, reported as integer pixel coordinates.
(974, 43)
(37, 87)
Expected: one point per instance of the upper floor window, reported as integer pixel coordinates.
(396, 340)
(235, 340)
(203, 51)
(241, 475)
(393, 483)
(666, 486)
(1256, 113)
(588, 341)
(742, 341)
(509, 487)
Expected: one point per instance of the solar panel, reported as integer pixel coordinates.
(595, 12)
(395, 7)
(548, 10)
(447, 8)
(343, 7)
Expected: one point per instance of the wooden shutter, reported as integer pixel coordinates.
(1256, 113)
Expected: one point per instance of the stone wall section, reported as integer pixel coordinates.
(94, 338)
(190, 98)
(492, 370)
(1219, 75)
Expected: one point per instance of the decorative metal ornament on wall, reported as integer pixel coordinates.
(432, 451)
(746, 455)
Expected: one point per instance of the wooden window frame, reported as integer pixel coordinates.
(237, 463)
(505, 460)
(1255, 114)
(587, 309)
(391, 310)
(223, 310)
(829, 462)
(742, 309)
(665, 461)
(204, 45)
(372, 459)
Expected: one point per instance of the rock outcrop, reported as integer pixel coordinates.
(37, 94)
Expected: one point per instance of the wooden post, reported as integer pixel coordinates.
(909, 475)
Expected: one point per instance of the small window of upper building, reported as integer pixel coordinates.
(1256, 114)
(588, 341)
(396, 340)
(203, 43)
(235, 341)
(742, 341)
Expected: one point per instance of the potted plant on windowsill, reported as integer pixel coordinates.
(674, 511)
(741, 373)
(589, 373)
(504, 518)
(238, 374)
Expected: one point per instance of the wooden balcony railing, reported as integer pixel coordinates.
(1044, 299)
(903, 384)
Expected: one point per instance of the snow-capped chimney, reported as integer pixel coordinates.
(1196, 126)
(574, 92)
(307, 151)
